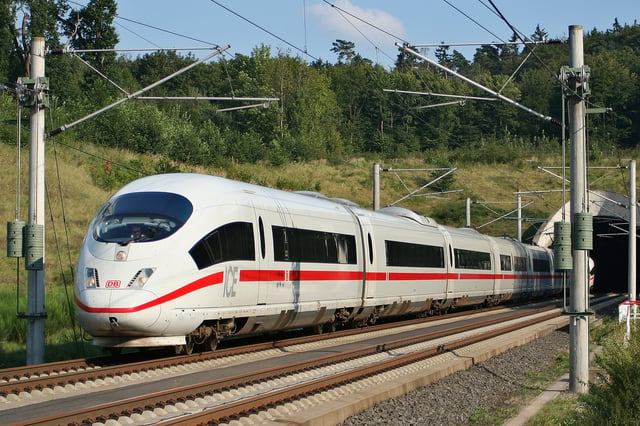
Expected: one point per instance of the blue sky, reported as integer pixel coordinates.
(299, 26)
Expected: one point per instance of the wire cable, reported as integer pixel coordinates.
(138, 35)
(553, 74)
(472, 20)
(109, 160)
(264, 29)
(304, 20)
(57, 243)
(342, 13)
(366, 22)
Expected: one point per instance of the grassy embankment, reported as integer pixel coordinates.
(81, 183)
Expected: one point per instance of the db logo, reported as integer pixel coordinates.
(113, 284)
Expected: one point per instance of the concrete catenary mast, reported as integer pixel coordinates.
(577, 81)
(34, 230)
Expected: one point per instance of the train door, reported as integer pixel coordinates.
(449, 261)
(365, 253)
(497, 266)
(273, 283)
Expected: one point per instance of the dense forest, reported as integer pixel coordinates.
(324, 110)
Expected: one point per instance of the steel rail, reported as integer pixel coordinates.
(38, 377)
(130, 406)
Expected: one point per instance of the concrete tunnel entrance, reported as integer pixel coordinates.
(610, 239)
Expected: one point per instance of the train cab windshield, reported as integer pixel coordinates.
(141, 217)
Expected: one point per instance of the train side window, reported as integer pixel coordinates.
(262, 241)
(541, 265)
(520, 263)
(233, 241)
(471, 259)
(505, 262)
(306, 245)
(414, 255)
(370, 248)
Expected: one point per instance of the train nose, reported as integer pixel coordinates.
(124, 311)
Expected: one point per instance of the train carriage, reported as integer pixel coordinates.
(180, 259)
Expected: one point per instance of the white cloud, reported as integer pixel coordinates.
(342, 25)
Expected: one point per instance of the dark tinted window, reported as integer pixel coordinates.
(471, 259)
(541, 265)
(141, 217)
(233, 241)
(505, 262)
(305, 245)
(520, 263)
(414, 255)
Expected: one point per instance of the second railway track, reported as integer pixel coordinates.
(307, 368)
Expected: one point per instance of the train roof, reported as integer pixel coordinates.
(407, 214)
(202, 189)
(205, 190)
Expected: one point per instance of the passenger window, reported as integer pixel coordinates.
(505, 262)
(233, 241)
(414, 255)
(471, 259)
(307, 245)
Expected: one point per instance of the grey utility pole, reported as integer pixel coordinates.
(632, 232)
(376, 186)
(34, 231)
(578, 304)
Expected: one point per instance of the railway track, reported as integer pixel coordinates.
(14, 381)
(237, 395)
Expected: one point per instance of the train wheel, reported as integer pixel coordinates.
(188, 348)
(318, 328)
(331, 326)
(212, 342)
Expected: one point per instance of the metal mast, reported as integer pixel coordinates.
(579, 303)
(34, 231)
(632, 231)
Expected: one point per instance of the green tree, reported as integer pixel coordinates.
(91, 27)
(21, 21)
(345, 50)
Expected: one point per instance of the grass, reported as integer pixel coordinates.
(534, 381)
(567, 409)
(561, 411)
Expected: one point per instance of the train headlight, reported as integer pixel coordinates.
(141, 277)
(91, 278)
(121, 255)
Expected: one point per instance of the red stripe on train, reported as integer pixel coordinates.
(208, 281)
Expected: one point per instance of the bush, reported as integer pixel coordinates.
(615, 399)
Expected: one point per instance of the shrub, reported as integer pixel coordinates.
(615, 399)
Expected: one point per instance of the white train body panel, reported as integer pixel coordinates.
(170, 253)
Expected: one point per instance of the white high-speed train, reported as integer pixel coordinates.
(185, 259)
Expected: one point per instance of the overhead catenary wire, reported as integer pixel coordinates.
(478, 85)
(136, 94)
(471, 19)
(342, 13)
(444, 95)
(57, 243)
(366, 22)
(563, 83)
(272, 34)
(304, 23)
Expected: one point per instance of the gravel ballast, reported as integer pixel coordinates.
(499, 383)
